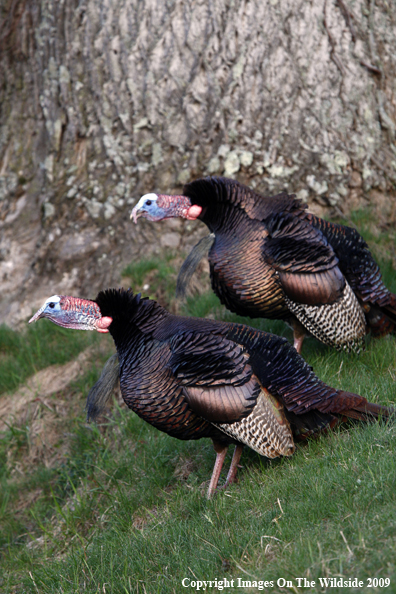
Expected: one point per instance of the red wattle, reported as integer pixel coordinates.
(103, 324)
(193, 212)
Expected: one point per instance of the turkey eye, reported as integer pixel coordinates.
(148, 202)
(51, 305)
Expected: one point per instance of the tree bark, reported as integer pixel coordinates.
(103, 100)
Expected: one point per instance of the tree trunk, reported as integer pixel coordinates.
(103, 100)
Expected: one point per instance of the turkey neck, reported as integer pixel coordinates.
(221, 217)
(134, 319)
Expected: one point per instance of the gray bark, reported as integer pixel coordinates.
(102, 100)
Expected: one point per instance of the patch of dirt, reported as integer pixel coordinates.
(27, 500)
(48, 381)
(42, 409)
(184, 467)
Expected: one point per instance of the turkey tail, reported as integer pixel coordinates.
(379, 323)
(382, 317)
(101, 393)
(367, 411)
(190, 264)
(363, 274)
(352, 406)
(314, 422)
(390, 309)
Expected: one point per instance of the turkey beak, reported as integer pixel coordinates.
(136, 213)
(39, 314)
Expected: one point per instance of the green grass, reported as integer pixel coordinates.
(123, 510)
(38, 346)
(136, 523)
(158, 273)
(138, 271)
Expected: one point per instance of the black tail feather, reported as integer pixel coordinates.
(190, 264)
(101, 393)
(390, 310)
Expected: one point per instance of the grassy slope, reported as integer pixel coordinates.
(124, 511)
(25, 353)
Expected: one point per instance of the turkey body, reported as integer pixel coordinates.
(194, 378)
(271, 258)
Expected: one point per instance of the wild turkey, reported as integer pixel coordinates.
(270, 258)
(194, 378)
